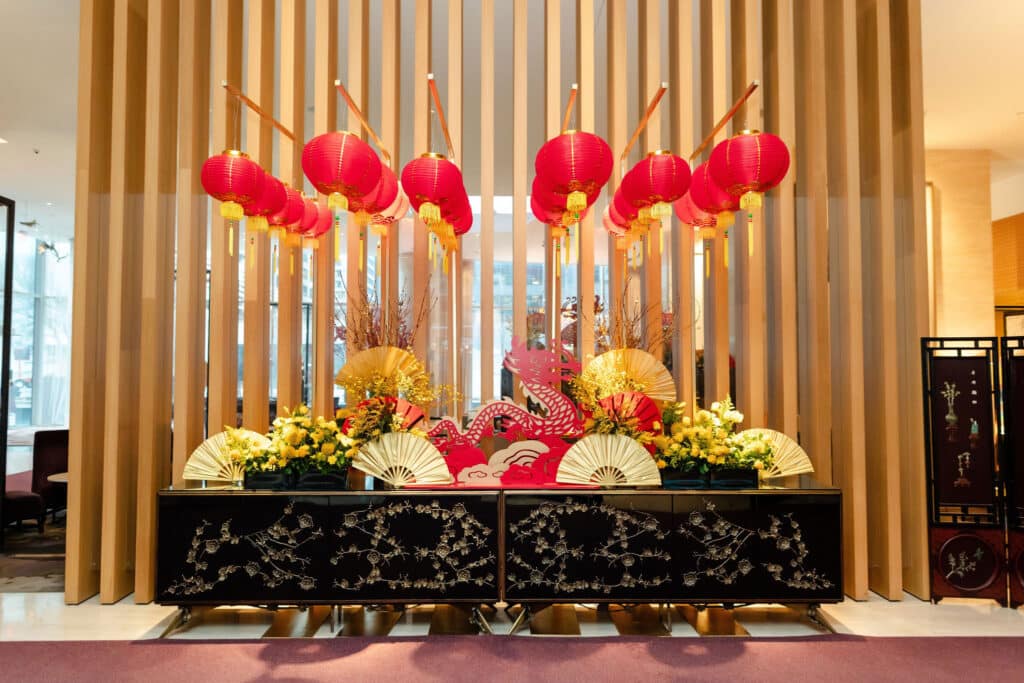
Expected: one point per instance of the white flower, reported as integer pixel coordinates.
(734, 416)
(716, 406)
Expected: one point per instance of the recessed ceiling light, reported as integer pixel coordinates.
(49, 203)
(3, 141)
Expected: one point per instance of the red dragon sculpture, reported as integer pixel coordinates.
(541, 372)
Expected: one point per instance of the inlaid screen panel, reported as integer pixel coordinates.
(1013, 420)
(256, 548)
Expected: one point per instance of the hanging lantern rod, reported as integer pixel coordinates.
(725, 119)
(362, 120)
(655, 101)
(242, 97)
(440, 115)
(569, 106)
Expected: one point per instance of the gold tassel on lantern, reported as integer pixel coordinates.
(430, 213)
(751, 200)
(231, 239)
(231, 211)
(661, 210)
(576, 201)
(337, 202)
(725, 220)
(337, 240)
(362, 248)
(257, 224)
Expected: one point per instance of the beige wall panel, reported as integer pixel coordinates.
(912, 307)
(356, 40)
(780, 221)
(124, 305)
(159, 199)
(457, 274)
(487, 359)
(878, 234)
(259, 86)
(963, 241)
(585, 104)
(292, 87)
(89, 305)
(421, 144)
(618, 134)
(225, 238)
(552, 127)
(681, 97)
(1008, 260)
(651, 78)
(390, 116)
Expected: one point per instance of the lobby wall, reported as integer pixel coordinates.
(836, 254)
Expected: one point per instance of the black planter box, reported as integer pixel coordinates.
(322, 481)
(734, 478)
(677, 479)
(272, 481)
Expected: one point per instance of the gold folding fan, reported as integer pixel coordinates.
(212, 460)
(623, 370)
(789, 458)
(608, 460)
(401, 458)
(380, 361)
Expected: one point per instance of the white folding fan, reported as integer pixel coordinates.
(608, 460)
(639, 370)
(212, 460)
(401, 458)
(789, 458)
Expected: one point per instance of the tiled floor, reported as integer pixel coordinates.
(44, 616)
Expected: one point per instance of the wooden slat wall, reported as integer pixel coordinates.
(89, 303)
(845, 289)
(486, 370)
(292, 88)
(154, 448)
(780, 222)
(837, 255)
(357, 82)
(585, 104)
(225, 239)
(552, 126)
(912, 282)
(681, 92)
(878, 245)
(259, 142)
(651, 78)
(325, 109)
(715, 86)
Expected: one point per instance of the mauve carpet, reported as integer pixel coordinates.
(485, 659)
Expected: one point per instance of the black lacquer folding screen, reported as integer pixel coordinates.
(1013, 458)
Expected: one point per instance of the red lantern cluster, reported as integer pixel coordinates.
(571, 170)
(436, 191)
(232, 178)
(654, 183)
(749, 164)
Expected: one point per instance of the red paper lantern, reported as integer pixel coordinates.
(380, 221)
(623, 209)
(271, 199)
(324, 221)
(575, 164)
(690, 214)
(656, 181)
(310, 215)
(381, 197)
(232, 178)
(609, 224)
(341, 166)
(430, 182)
(292, 211)
(708, 196)
(545, 214)
(748, 165)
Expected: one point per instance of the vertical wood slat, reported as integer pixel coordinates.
(912, 284)
(845, 289)
(617, 137)
(456, 275)
(88, 324)
(751, 297)
(650, 80)
(259, 86)
(680, 39)
(520, 93)
(878, 234)
(225, 239)
(811, 176)
(390, 117)
(357, 82)
(585, 104)
(421, 145)
(154, 446)
(325, 98)
(714, 81)
(292, 89)
(780, 223)
(487, 29)
(552, 127)
(124, 304)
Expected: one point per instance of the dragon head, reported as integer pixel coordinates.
(541, 366)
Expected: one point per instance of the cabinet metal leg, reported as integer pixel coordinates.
(477, 618)
(522, 619)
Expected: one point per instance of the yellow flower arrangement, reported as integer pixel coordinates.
(709, 441)
(300, 443)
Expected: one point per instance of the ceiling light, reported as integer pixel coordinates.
(3, 141)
